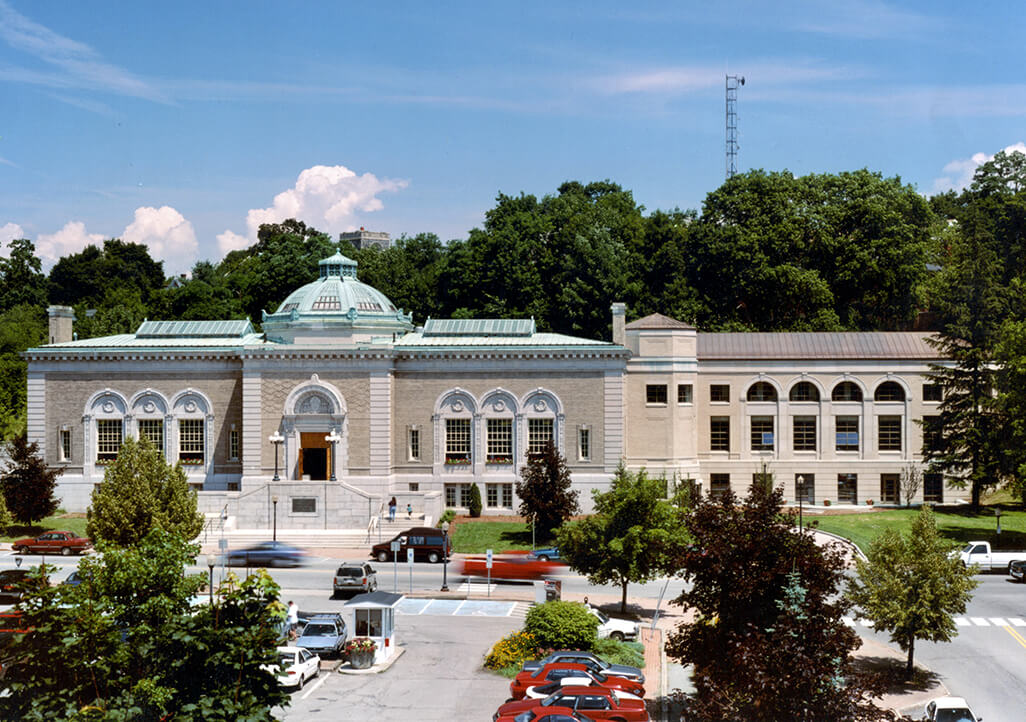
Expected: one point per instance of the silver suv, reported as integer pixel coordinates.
(354, 577)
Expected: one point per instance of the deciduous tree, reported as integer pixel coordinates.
(28, 483)
(544, 488)
(141, 492)
(911, 587)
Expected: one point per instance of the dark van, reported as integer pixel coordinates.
(427, 544)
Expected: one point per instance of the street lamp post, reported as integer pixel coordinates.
(274, 503)
(445, 556)
(333, 438)
(276, 438)
(801, 497)
(211, 563)
(997, 515)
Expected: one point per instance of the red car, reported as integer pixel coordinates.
(513, 566)
(557, 671)
(64, 543)
(549, 714)
(598, 703)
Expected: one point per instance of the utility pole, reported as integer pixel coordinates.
(733, 82)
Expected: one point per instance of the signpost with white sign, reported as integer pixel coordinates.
(394, 547)
(488, 565)
(409, 563)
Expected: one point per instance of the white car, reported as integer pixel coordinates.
(621, 630)
(295, 666)
(949, 709)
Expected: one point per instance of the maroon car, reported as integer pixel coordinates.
(557, 671)
(548, 714)
(598, 703)
(64, 543)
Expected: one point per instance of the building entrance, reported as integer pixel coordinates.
(314, 456)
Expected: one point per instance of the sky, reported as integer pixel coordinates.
(186, 125)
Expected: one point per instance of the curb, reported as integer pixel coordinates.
(344, 668)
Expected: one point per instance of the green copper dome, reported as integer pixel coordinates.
(335, 308)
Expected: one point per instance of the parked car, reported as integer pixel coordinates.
(596, 702)
(1018, 570)
(12, 583)
(267, 554)
(324, 635)
(548, 714)
(549, 554)
(64, 543)
(427, 543)
(544, 690)
(621, 630)
(559, 671)
(295, 666)
(75, 578)
(590, 661)
(356, 577)
(509, 566)
(980, 552)
(949, 709)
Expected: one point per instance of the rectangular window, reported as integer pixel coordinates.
(931, 433)
(414, 486)
(933, 487)
(457, 441)
(64, 439)
(584, 443)
(539, 433)
(719, 433)
(108, 439)
(153, 429)
(655, 394)
(762, 433)
(190, 441)
(450, 495)
(889, 488)
(719, 484)
(933, 392)
(499, 496)
(233, 445)
(847, 433)
(457, 495)
(889, 438)
(805, 488)
(500, 441)
(847, 488)
(304, 505)
(804, 433)
(413, 444)
(683, 393)
(719, 392)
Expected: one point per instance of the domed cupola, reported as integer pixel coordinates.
(336, 309)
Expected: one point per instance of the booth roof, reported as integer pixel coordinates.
(375, 599)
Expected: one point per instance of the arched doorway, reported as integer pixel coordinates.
(313, 411)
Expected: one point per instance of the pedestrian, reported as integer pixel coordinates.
(293, 619)
(391, 509)
(409, 511)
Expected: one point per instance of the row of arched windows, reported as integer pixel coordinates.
(844, 391)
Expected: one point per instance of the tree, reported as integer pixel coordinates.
(629, 538)
(767, 640)
(85, 278)
(28, 483)
(21, 277)
(127, 642)
(544, 488)
(911, 587)
(911, 482)
(141, 492)
(474, 507)
(21, 327)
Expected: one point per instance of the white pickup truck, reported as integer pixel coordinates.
(979, 552)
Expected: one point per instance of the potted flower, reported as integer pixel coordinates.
(826, 502)
(869, 502)
(361, 652)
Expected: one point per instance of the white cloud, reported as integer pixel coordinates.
(682, 79)
(325, 197)
(8, 233)
(958, 174)
(167, 234)
(70, 239)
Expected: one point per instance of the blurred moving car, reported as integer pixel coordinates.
(267, 554)
(324, 635)
(295, 666)
(64, 543)
(549, 554)
(1018, 570)
(949, 709)
(509, 566)
(622, 630)
(356, 577)
(426, 542)
(560, 671)
(595, 702)
(589, 660)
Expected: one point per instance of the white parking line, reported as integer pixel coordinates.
(979, 621)
(320, 680)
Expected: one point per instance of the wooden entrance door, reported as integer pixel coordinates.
(314, 456)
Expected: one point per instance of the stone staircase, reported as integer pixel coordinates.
(381, 530)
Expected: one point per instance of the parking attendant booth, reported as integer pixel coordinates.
(373, 615)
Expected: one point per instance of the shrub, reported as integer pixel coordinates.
(629, 653)
(474, 507)
(511, 651)
(447, 516)
(562, 625)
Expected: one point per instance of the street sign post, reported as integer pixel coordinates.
(394, 547)
(409, 563)
(488, 565)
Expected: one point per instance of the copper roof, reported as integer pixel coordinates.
(908, 345)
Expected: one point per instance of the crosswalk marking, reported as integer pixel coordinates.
(855, 622)
(962, 622)
(1017, 621)
(998, 622)
(979, 621)
(849, 621)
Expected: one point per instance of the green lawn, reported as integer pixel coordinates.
(500, 536)
(953, 523)
(74, 523)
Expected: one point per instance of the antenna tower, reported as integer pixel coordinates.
(732, 84)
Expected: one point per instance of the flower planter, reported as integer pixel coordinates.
(361, 660)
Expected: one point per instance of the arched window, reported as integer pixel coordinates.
(804, 391)
(889, 391)
(762, 391)
(846, 391)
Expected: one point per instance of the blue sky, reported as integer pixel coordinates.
(185, 125)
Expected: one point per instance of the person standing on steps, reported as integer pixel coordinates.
(409, 511)
(391, 509)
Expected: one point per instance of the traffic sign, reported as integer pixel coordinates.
(488, 558)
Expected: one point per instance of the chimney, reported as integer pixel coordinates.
(619, 317)
(61, 318)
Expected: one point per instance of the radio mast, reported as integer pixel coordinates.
(732, 84)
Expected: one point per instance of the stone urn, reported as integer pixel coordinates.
(361, 660)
